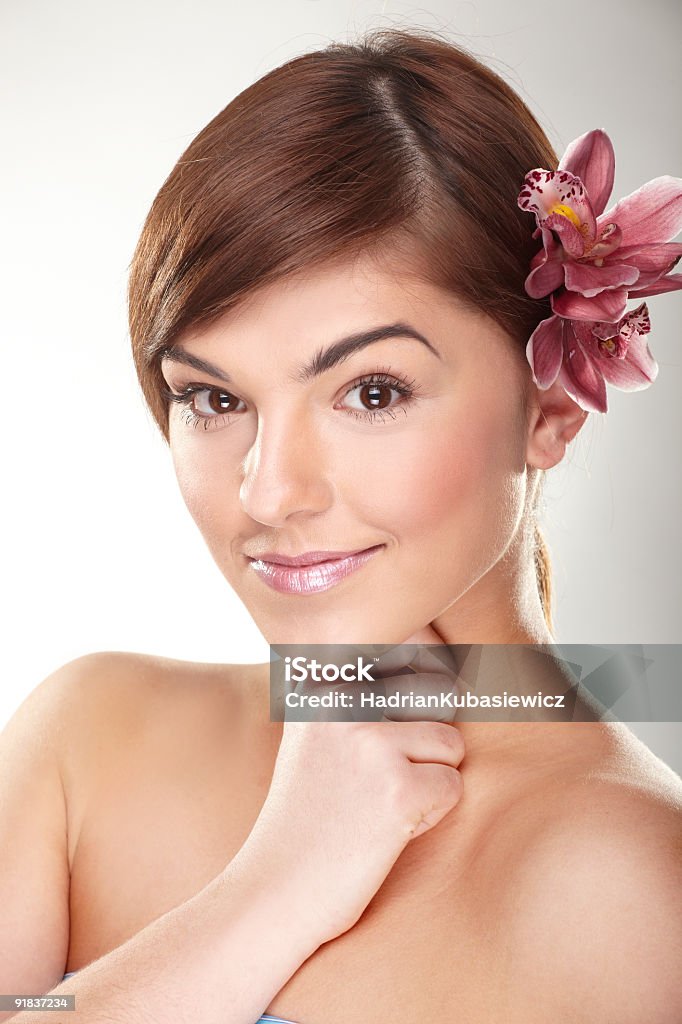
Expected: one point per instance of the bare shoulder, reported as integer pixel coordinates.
(592, 915)
(117, 716)
(111, 679)
(106, 703)
(102, 692)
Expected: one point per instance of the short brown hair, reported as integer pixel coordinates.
(401, 139)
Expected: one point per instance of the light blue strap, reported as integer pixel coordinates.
(267, 1018)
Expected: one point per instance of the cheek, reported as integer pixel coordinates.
(200, 484)
(461, 481)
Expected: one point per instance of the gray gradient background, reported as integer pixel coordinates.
(98, 550)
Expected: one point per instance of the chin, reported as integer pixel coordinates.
(337, 628)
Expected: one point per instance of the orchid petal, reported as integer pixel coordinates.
(590, 280)
(636, 369)
(653, 213)
(551, 248)
(592, 159)
(648, 279)
(544, 351)
(547, 192)
(664, 284)
(545, 279)
(652, 261)
(539, 258)
(580, 378)
(571, 238)
(609, 305)
(609, 240)
(652, 255)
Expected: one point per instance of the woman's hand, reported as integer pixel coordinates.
(427, 635)
(345, 799)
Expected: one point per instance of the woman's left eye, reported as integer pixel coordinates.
(373, 389)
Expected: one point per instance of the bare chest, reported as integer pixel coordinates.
(169, 802)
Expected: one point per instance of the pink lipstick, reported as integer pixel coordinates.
(295, 578)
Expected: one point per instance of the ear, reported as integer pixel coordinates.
(553, 421)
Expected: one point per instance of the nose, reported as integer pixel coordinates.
(285, 471)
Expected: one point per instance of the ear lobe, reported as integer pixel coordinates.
(553, 423)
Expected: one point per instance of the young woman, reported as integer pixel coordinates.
(330, 311)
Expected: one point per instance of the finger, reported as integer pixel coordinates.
(423, 696)
(444, 786)
(437, 743)
(425, 635)
(424, 650)
(396, 656)
(435, 659)
(419, 659)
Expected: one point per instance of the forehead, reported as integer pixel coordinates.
(336, 290)
(287, 322)
(320, 297)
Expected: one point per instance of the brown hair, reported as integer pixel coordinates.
(401, 141)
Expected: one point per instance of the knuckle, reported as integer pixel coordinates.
(451, 736)
(454, 784)
(371, 745)
(397, 789)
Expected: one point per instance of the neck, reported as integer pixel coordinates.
(487, 673)
(522, 668)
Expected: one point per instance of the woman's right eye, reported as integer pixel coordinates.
(220, 404)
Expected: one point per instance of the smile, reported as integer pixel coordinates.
(310, 579)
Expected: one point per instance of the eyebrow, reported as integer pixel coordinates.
(322, 361)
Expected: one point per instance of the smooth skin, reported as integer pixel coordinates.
(446, 481)
(443, 479)
(548, 887)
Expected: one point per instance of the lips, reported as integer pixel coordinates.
(311, 578)
(308, 557)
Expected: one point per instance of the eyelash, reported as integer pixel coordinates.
(407, 389)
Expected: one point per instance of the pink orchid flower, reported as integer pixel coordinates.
(590, 263)
(589, 353)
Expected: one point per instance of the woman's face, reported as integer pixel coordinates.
(427, 460)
